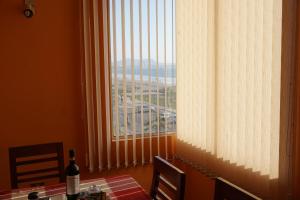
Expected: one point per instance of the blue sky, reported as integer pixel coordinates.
(144, 29)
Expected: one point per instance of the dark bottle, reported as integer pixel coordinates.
(72, 177)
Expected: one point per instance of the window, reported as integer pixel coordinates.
(143, 70)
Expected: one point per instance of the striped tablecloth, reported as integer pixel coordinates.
(118, 188)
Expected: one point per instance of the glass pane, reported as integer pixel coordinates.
(143, 96)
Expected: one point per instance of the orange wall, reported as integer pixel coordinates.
(40, 92)
(197, 185)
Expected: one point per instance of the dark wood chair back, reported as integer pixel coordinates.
(48, 158)
(224, 190)
(168, 181)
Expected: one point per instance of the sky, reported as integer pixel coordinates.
(136, 40)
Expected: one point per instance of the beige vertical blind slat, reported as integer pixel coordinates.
(210, 111)
(116, 85)
(258, 83)
(275, 83)
(142, 81)
(204, 80)
(88, 80)
(124, 83)
(173, 51)
(149, 83)
(107, 83)
(166, 94)
(98, 91)
(219, 90)
(133, 85)
(240, 128)
(157, 81)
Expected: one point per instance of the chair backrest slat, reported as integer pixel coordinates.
(41, 160)
(162, 195)
(169, 176)
(38, 171)
(37, 178)
(38, 149)
(28, 156)
(167, 184)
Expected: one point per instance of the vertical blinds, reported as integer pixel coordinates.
(228, 79)
(135, 76)
(141, 79)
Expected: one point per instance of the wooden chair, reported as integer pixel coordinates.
(168, 181)
(225, 190)
(39, 156)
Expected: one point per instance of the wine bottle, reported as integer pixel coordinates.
(72, 176)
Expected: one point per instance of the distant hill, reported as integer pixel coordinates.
(145, 63)
(171, 69)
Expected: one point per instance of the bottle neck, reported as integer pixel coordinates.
(72, 160)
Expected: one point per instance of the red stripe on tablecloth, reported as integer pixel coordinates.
(108, 178)
(122, 186)
(117, 177)
(126, 188)
(120, 182)
(5, 196)
(136, 193)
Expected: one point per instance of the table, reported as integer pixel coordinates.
(117, 188)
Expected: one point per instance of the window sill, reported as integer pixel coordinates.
(146, 136)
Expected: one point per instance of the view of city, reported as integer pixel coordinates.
(166, 107)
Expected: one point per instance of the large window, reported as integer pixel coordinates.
(143, 70)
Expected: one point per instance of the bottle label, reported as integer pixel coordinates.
(73, 185)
